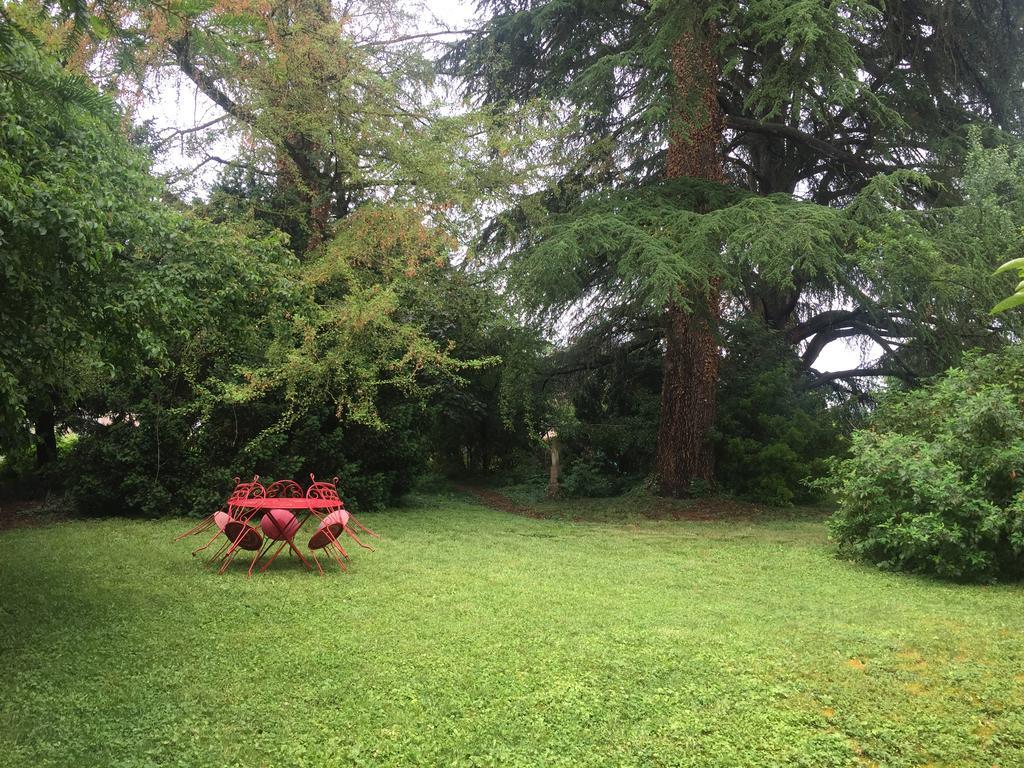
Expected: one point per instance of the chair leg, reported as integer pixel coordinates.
(199, 527)
(230, 554)
(273, 557)
(219, 553)
(339, 561)
(315, 560)
(331, 547)
(200, 549)
(264, 548)
(356, 539)
(337, 544)
(228, 557)
(295, 549)
(362, 527)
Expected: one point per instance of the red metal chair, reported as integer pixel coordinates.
(242, 492)
(206, 522)
(236, 511)
(329, 491)
(326, 537)
(242, 535)
(278, 525)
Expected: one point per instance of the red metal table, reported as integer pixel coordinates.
(285, 502)
(314, 507)
(278, 523)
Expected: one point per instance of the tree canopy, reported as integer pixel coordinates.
(424, 249)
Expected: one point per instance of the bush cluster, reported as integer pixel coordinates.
(935, 483)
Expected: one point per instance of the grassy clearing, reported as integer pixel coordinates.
(473, 637)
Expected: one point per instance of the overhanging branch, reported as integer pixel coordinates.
(821, 379)
(849, 159)
(182, 49)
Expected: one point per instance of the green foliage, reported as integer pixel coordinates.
(490, 422)
(1018, 296)
(772, 432)
(76, 205)
(173, 436)
(935, 484)
(339, 106)
(603, 402)
(605, 67)
(187, 348)
(858, 203)
(588, 476)
(335, 366)
(25, 68)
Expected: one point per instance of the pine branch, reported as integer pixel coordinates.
(849, 159)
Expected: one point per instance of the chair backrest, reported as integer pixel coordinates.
(284, 489)
(328, 491)
(251, 490)
(245, 491)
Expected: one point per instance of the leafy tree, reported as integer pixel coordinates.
(331, 366)
(204, 344)
(76, 202)
(777, 99)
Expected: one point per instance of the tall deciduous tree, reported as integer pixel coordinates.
(332, 105)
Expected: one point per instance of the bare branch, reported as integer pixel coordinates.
(179, 132)
(821, 379)
(420, 36)
(183, 55)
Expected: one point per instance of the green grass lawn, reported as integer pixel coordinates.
(474, 637)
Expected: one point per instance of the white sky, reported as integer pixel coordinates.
(175, 103)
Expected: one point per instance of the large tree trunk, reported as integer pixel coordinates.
(690, 371)
(46, 436)
(689, 381)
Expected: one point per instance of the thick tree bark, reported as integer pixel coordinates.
(690, 379)
(46, 436)
(690, 371)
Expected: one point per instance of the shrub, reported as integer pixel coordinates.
(588, 477)
(772, 433)
(934, 484)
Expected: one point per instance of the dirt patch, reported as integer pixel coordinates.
(499, 501)
(26, 514)
(703, 509)
(709, 509)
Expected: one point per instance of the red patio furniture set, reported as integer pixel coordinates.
(279, 524)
